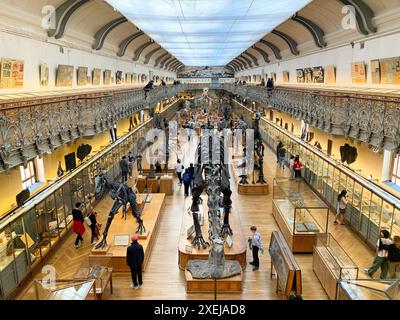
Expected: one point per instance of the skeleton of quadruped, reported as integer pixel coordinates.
(210, 162)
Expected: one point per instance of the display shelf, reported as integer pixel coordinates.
(299, 212)
(368, 289)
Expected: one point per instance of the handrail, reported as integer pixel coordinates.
(13, 215)
(393, 199)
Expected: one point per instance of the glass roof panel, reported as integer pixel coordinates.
(207, 32)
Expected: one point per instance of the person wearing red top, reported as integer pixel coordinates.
(297, 167)
(78, 227)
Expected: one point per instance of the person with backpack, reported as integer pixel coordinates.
(381, 259)
(393, 258)
(187, 180)
(297, 167)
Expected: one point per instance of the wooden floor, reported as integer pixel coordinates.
(164, 280)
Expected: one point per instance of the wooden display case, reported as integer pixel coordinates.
(331, 263)
(300, 214)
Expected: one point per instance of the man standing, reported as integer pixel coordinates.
(124, 165)
(256, 245)
(134, 259)
(179, 169)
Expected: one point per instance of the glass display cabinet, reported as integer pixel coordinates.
(299, 212)
(368, 289)
(331, 263)
(369, 208)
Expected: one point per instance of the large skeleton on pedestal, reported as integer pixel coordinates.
(122, 194)
(259, 150)
(210, 161)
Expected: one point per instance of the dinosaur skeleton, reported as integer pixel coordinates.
(259, 150)
(122, 194)
(210, 161)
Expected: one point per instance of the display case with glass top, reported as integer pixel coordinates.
(331, 262)
(46, 227)
(368, 289)
(299, 212)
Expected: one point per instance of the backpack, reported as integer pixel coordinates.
(187, 177)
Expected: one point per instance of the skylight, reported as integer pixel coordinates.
(207, 32)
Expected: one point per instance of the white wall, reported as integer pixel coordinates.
(342, 57)
(34, 52)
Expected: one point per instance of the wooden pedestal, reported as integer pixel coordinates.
(119, 226)
(166, 185)
(233, 284)
(152, 184)
(324, 274)
(248, 189)
(141, 184)
(236, 252)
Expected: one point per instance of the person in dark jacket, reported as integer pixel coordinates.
(158, 167)
(187, 180)
(124, 165)
(134, 259)
(393, 258)
(78, 228)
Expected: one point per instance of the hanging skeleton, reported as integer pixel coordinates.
(210, 160)
(122, 194)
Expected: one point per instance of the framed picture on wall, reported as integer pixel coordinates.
(358, 72)
(128, 78)
(82, 76)
(308, 74)
(286, 76)
(107, 77)
(44, 75)
(118, 77)
(390, 70)
(330, 74)
(11, 74)
(64, 76)
(96, 75)
(318, 74)
(300, 75)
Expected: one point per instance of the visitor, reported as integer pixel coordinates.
(187, 180)
(281, 156)
(131, 159)
(131, 125)
(78, 228)
(393, 258)
(256, 246)
(60, 171)
(179, 169)
(134, 259)
(381, 260)
(91, 220)
(280, 145)
(297, 168)
(294, 296)
(158, 167)
(139, 158)
(291, 167)
(262, 84)
(341, 207)
(124, 166)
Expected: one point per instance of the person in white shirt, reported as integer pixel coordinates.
(381, 259)
(179, 169)
(341, 207)
(256, 246)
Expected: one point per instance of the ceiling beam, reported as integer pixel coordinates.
(174, 65)
(162, 63)
(316, 32)
(262, 52)
(235, 68)
(63, 13)
(249, 63)
(158, 60)
(126, 42)
(241, 64)
(243, 61)
(274, 48)
(150, 54)
(102, 33)
(138, 51)
(289, 40)
(364, 16)
(167, 65)
(252, 57)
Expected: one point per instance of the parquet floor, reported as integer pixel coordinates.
(164, 280)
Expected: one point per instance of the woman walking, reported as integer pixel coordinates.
(297, 168)
(341, 207)
(394, 258)
(380, 260)
(78, 227)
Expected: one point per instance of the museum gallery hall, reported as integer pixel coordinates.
(199, 150)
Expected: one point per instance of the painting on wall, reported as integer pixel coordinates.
(330, 74)
(44, 75)
(300, 75)
(128, 78)
(318, 74)
(390, 70)
(118, 77)
(64, 76)
(286, 76)
(134, 78)
(358, 72)
(96, 75)
(308, 75)
(107, 77)
(11, 74)
(82, 76)
(375, 72)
